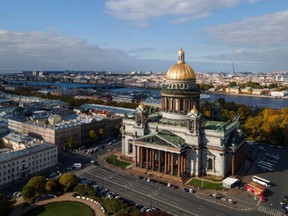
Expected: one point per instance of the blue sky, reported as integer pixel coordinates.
(128, 35)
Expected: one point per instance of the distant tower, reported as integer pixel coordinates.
(233, 67)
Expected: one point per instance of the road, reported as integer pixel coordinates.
(175, 201)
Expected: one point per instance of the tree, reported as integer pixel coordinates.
(102, 132)
(38, 183)
(28, 193)
(92, 134)
(5, 205)
(68, 181)
(83, 190)
(71, 143)
(52, 186)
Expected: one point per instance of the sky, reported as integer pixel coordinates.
(130, 35)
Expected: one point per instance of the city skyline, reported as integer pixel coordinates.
(126, 35)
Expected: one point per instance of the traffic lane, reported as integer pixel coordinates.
(182, 203)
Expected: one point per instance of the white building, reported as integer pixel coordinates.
(179, 141)
(16, 165)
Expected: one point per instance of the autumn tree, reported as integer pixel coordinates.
(269, 126)
(52, 186)
(92, 134)
(102, 132)
(68, 181)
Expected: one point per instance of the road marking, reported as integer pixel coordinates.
(145, 194)
(269, 211)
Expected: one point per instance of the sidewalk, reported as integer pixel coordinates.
(235, 199)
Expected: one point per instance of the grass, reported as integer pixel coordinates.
(61, 209)
(206, 184)
(114, 161)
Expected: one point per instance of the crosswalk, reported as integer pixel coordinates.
(269, 211)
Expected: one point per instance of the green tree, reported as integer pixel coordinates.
(71, 143)
(38, 183)
(68, 181)
(28, 193)
(5, 205)
(102, 132)
(92, 134)
(83, 190)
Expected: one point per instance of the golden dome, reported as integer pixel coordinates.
(180, 70)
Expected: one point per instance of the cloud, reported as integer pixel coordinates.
(46, 51)
(267, 30)
(139, 11)
(254, 1)
(260, 60)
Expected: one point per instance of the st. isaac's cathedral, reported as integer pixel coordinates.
(178, 140)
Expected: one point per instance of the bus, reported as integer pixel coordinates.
(261, 181)
(257, 189)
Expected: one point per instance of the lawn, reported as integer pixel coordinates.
(62, 209)
(206, 184)
(114, 161)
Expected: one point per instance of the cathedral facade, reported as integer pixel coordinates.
(179, 141)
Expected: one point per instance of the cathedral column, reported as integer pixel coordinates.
(147, 155)
(136, 155)
(169, 162)
(165, 163)
(140, 156)
(153, 159)
(181, 162)
(172, 163)
(150, 158)
(159, 160)
(179, 165)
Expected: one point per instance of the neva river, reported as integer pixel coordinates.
(269, 102)
(247, 100)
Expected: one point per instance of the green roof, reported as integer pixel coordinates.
(172, 138)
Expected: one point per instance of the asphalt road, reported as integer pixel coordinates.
(175, 201)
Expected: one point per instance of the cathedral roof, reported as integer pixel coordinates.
(180, 70)
(165, 138)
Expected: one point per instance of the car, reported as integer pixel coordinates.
(143, 209)
(69, 168)
(186, 190)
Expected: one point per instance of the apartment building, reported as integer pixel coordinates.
(20, 164)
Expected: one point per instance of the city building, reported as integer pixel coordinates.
(179, 141)
(25, 156)
(79, 129)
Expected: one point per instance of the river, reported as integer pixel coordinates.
(258, 101)
(269, 102)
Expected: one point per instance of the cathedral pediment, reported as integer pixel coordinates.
(163, 138)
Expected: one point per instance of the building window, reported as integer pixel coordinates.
(130, 148)
(210, 164)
